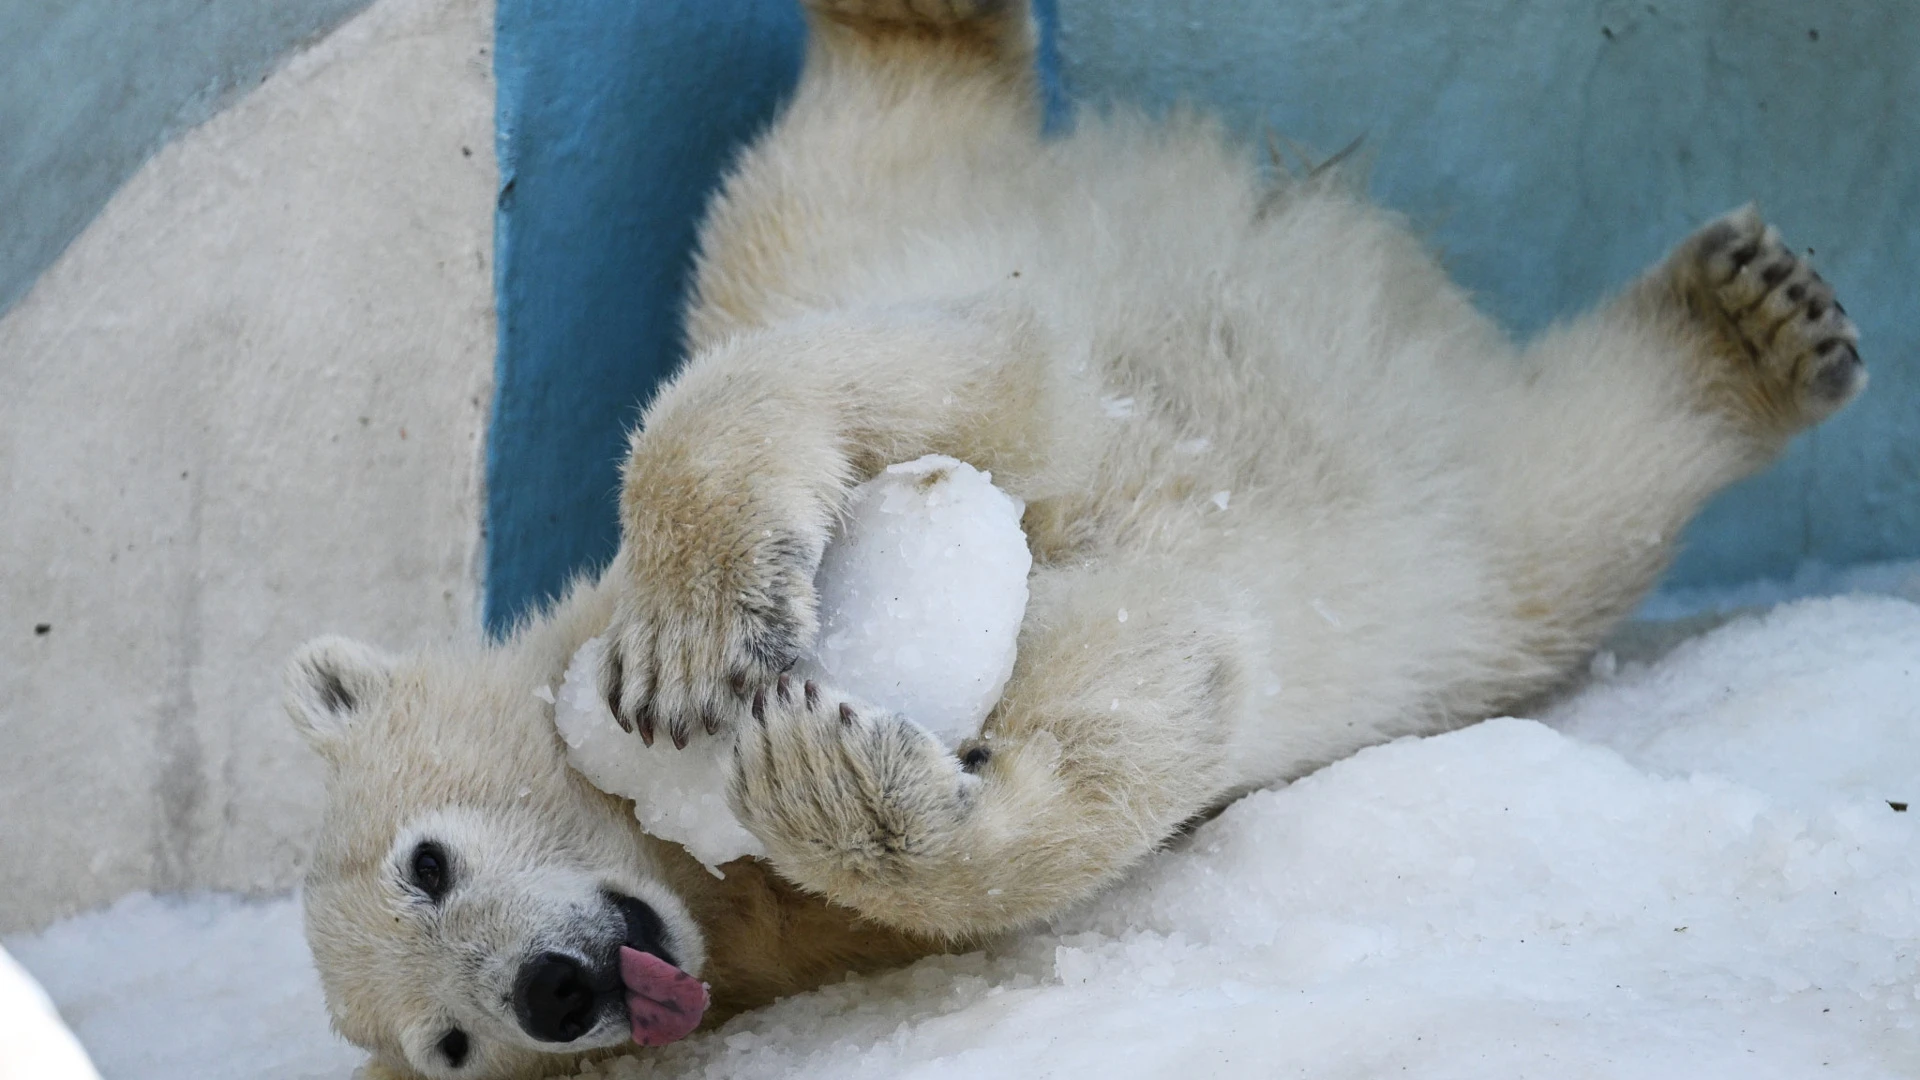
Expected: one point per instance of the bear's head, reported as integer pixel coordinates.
(474, 906)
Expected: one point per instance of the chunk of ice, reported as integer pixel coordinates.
(677, 795)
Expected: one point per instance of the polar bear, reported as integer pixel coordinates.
(1426, 525)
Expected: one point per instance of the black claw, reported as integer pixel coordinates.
(812, 693)
(784, 687)
(616, 675)
(846, 713)
(678, 733)
(738, 682)
(1717, 236)
(646, 726)
(760, 705)
(1840, 376)
(711, 722)
(626, 725)
(1776, 273)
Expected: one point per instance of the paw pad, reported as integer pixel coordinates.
(1790, 339)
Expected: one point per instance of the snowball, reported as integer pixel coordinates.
(922, 593)
(921, 597)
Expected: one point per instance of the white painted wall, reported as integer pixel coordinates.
(244, 407)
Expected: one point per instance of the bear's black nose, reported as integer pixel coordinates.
(554, 998)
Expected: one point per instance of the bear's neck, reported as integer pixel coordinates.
(767, 939)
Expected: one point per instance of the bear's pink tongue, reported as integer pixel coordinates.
(664, 1003)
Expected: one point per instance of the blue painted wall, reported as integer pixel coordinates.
(90, 88)
(1550, 149)
(616, 118)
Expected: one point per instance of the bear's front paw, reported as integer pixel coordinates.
(820, 778)
(692, 635)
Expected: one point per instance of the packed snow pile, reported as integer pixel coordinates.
(36, 1043)
(202, 988)
(921, 596)
(1693, 868)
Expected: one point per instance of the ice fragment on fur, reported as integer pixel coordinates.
(678, 795)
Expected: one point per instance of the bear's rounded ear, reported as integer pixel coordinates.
(328, 681)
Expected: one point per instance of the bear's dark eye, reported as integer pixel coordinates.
(432, 874)
(454, 1045)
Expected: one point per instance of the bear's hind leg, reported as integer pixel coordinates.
(996, 34)
(1624, 423)
(909, 117)
(1779, 352)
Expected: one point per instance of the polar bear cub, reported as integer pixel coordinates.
(1424, 525)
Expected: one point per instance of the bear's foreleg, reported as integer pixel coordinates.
(1625, 422)
(1115, 731)
(740, 468)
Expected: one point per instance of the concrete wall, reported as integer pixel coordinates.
(90, 88)
(244, 407)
